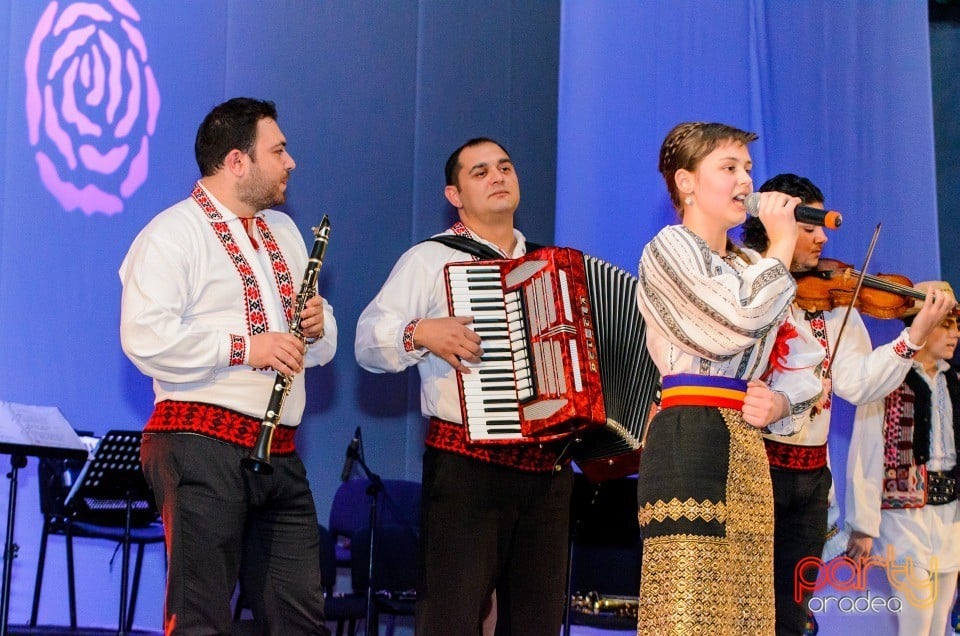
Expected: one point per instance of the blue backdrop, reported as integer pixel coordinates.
(372, 97)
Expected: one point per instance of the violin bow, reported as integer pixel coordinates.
(856, 291)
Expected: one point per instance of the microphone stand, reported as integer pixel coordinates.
(374, 489)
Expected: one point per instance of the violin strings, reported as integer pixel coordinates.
(896, 288)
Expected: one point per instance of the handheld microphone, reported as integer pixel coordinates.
(351, 456)
(803, 213)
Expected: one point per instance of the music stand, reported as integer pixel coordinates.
(112, 484)
(29, 431)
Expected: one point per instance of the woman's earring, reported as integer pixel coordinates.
(688, 200)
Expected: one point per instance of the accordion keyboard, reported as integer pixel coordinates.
(538, 378)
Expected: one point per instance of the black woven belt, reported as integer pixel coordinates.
(941, 488)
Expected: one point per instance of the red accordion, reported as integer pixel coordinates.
(564, 355)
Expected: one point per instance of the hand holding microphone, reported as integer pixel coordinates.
(803, 213)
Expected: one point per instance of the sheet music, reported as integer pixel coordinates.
(36, 428)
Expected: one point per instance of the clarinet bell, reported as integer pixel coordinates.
(258, 461)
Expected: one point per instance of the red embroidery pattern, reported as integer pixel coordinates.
(281, 273)
(891, 434)
(794, 457)
(408, 345)
(238, 349)
(170, 416)
(904, 483)
(460, 229)
(819, 328)
(901, 349)
(532, 458)
(256, 316)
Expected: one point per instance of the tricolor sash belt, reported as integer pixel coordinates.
(689, 389)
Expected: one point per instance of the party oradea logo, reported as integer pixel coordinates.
(909, 582)
(92, 103)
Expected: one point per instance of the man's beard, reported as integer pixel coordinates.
(259, 193)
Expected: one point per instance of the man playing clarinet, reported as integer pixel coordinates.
(209, 291)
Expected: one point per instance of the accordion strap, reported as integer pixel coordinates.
(474, 247)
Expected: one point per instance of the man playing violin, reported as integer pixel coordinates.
(858, 373)
(902, 482)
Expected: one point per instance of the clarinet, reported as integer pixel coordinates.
(258, 460)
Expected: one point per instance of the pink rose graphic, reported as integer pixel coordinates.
(92, 103)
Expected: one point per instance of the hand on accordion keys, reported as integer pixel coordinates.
(450, 339)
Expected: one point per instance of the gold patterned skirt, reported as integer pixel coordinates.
(706, 514)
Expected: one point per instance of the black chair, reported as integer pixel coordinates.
(347, 609)
(397, 504)
(55, 478)
(395, 571)
(348, 513)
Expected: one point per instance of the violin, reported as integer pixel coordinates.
(833, 282)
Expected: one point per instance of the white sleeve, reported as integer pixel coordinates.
(322, 351)
(413, 290)
(865, 470)
(156, 330)
(863, 374)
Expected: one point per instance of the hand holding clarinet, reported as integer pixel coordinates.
(286, 353)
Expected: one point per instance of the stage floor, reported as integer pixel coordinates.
(57, 630)
(243, 630)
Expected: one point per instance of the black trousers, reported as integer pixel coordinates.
(800, 529)
(217, 516)
(483, 527)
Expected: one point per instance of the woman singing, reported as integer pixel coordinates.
(732, 367)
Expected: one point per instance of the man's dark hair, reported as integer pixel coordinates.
(231, 125)
(452, 169)
(754, 234)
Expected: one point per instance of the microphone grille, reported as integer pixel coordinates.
(753, 203)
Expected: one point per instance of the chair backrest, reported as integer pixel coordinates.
(397, 504)
(55, 478)
(350, 509)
